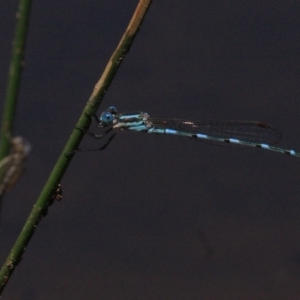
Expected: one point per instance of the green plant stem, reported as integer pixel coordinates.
(14, 78)
(41, 206)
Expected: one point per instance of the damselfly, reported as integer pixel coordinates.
(12, 166)
(238, 133)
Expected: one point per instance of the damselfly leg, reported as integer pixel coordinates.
(98, 136)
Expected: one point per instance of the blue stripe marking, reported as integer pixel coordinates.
(171, 131)
(235, 141)
(265, 146)
(202, 136)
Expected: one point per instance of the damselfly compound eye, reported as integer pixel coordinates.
(106, 118)
(112, 110)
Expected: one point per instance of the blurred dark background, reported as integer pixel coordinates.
(129, 223)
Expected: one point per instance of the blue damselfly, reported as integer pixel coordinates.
(237, 133)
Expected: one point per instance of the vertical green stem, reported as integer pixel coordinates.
(14, 78)
(64, 160)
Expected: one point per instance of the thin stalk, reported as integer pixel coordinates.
(41, 206)
(14, 79)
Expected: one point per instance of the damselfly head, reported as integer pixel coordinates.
(107, 117)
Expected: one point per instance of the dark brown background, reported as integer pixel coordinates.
(127, 227)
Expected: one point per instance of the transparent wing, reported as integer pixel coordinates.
(248, 131)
